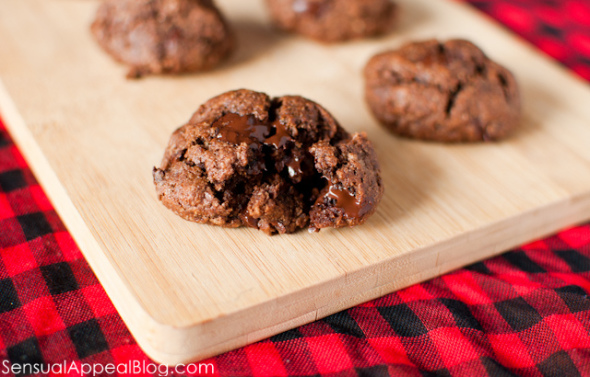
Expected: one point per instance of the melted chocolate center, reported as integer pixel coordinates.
(281, 136)
(343, 199)
(247, 129)
(294, 167)
(299, 166)
(252, 222)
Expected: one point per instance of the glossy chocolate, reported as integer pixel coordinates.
(247, 129)
(281, 137)
(352, 207)
(239, 129)
(299, 166)
(252, 222)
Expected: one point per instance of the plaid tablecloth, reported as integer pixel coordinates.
(526, 312)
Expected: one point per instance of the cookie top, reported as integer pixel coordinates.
(333, 20)
(163, 36)
(278, 165)
(449, 92)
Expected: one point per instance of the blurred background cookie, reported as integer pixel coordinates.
(333, 20)
(163, 36)
(449, 92)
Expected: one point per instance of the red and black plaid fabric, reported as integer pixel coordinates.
(560, 28)
(525, 313)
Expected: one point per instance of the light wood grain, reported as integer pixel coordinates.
(189, 291)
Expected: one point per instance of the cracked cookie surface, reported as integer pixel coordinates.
(163, 36)
(333, 20)
(450, 92)
(278, 165)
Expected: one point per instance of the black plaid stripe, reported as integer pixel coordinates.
(518, 313)
(577, 261)
(12, 180)
(520, 260)
(286, 336)
(403, 321)
(559, 364)
(461, 313)
(479, 267)
(574, 297)
(34, 225)
(494, 368)
(88, 338)
(343, 323)
(25, 354)
(375, 371)
(8, 296)
(59, 278)
(4, 139)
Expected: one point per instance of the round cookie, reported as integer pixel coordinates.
(163, 36)
(278, 165)
(449, 92)
(333, 20)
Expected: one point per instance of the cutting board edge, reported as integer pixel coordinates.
(190, 337)
(126, 303)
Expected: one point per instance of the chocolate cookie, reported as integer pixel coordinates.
(163, 36)
(333, 20)
(277, 165)
(447, 92)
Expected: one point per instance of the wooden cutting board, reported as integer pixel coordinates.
(189, 291)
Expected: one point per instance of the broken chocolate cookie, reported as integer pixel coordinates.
(278, 165)
(450, 92)
(163, 36)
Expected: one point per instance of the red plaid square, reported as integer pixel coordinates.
(98, 301)
(568, 331)
(510, 351)
(5, 208)
(68, 247)
(391, 350)
(40, 199)
(329, 353)
(265, 360)
(466, 288)
(43, 316)
(18, 259)
(453, 347)
(576, 237)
